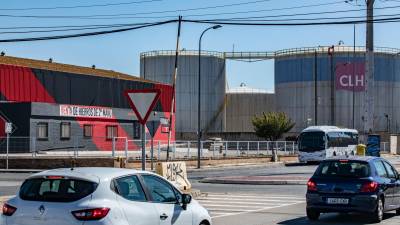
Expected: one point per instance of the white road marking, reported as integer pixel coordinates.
(228, 204)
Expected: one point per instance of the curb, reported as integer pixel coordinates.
(254, 182)
(20, 171)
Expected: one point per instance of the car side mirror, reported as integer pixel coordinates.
(186, 199)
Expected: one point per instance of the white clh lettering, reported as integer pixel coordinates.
(347, 81)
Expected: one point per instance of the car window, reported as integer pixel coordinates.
(380, 169)
(343, 168)
(130, 188)
(56, 190)
(159, 189)
(389, 169)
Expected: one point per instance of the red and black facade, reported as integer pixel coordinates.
(64, 109)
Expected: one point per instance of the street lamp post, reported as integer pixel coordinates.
(199, 134)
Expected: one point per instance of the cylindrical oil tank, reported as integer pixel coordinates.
(159, 66)
(338, 74)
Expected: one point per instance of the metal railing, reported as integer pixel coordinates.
(128, 148)
(271, 54)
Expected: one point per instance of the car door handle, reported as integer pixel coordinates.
(163, 216)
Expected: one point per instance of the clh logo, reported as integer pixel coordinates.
(350, 76)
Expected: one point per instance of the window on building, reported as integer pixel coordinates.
(42, 131)
(65, 131)
(111, 132)
(87, 131)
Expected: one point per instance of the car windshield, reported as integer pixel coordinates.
(343, 168)
(312, 141)
(56, 190)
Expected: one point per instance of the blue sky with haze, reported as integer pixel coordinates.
(120, 52)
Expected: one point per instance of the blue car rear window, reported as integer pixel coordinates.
(343, 168)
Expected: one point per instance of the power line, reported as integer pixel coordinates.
(301, 19)
(80, 6)
(71, 29)
(304, 14)
(139, 13)
(383, 20)
(121, 16)
(85, 34)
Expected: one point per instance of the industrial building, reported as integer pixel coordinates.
(316, 85)
(55, 106)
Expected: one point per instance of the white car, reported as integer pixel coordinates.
(101, 196)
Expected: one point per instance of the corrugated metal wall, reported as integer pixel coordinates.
(294, 85)
(160, 67)
(241, 108)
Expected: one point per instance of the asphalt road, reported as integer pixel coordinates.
(246, 204)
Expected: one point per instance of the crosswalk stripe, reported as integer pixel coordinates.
(257, 197)
(226, 204)
(246, 199)
(204, 202)
(230, 206)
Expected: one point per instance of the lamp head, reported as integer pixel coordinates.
(216, 27)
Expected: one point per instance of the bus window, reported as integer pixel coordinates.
(336, 139)
(312, 141)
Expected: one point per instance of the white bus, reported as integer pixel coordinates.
(317, 143)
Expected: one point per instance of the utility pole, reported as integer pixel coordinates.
(315, 87)
(369, 71)
(331, 51)
(174, 77)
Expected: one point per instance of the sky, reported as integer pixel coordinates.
(121, 51)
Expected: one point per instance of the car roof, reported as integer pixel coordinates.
(94, 174)
(354, 158)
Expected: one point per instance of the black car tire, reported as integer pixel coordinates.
(312, 214)
(377, 216)
(397, 211)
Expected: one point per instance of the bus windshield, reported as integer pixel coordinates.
(312, 141)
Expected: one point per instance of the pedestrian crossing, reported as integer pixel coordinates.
(227, 204)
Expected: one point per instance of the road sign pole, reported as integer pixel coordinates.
(143, 146)
(8, 143)
(152, 147)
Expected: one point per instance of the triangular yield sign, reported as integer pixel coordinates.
(143, 102)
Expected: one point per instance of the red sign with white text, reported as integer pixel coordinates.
(350, 76)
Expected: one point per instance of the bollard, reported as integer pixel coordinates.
(188, 149)
(226, 149)
(126, 149)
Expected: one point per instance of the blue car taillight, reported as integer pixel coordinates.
(368, 187)
(311, 185)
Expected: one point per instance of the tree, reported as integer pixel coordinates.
(272, 125)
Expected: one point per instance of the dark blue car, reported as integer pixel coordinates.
(368, 185)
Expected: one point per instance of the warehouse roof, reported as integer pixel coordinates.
(47, 65)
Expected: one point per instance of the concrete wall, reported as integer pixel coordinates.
(241, 107)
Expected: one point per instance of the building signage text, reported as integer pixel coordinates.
(350, 76)
(85, 111)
